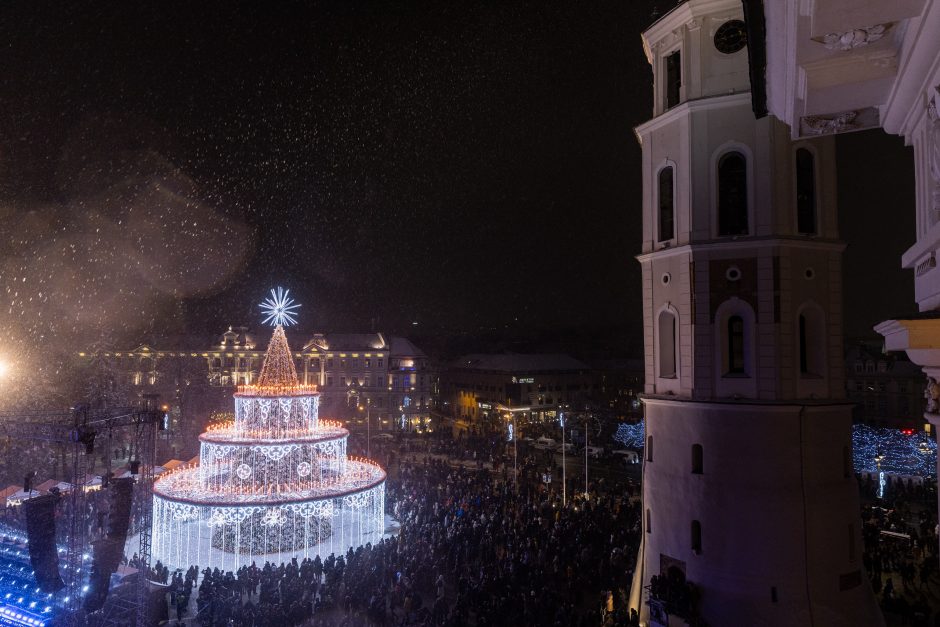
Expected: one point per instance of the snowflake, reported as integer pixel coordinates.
(273, 517)
(279, 309)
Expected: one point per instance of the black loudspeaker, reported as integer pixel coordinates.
(107, 552)
(28, 482)
(119, 518)
(40, 531)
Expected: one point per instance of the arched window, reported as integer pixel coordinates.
(732, 194)
(696, 537)
(667, 208)
(649, 448)
(667, 345)
(649, 522)
(736, 345)
(805, 192)
(697, 459)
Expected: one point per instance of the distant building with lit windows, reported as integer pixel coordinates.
(474, 386)
(387, 379)
(888, 388)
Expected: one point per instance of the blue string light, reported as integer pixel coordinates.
(897, 451)
(631, 435)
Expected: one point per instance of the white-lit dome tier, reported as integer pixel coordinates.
(227, 530)
(271, 412)
(185, 486)
(233, 463)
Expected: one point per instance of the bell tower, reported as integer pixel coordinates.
(749, 491)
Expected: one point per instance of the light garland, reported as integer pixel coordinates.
(271, 485)
(631, 435)
(895, 451)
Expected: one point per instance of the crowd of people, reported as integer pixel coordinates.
(478, 546)
(474, 548)
(900, 541)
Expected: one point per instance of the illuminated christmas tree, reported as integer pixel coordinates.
(273, 484)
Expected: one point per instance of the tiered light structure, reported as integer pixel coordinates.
(271, 485)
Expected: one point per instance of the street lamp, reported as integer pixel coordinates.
(587, 419)
(514, 436)
(564, 480)
(881, 475)
(368, 426)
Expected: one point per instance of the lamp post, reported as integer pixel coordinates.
(587, 419)
(368, 428)
(585, 460)
(515, 450)
(564, 481)
(881, 477)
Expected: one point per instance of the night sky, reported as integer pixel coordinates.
(466, 166)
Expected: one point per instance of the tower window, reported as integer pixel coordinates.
(697, 459)
(811, 339)
(649, 448)
(735, 345)
(667, 345)
(696, 537)
(732, 194)
(805, 192)
(649, 522)
(804, 366)
(666, 205)
(673, 78)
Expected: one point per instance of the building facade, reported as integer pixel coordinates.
(748, 491)
(367, 376)
(844, 65)
(476, 386)
(887, 389)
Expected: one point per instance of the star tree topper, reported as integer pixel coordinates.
(279, 309)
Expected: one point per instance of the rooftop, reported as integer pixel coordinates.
(520, 363)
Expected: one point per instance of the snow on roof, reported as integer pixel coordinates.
(403, 347)
(355, 341)
(45, 485)
(520, 363)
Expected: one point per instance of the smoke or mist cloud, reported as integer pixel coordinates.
(124, 238)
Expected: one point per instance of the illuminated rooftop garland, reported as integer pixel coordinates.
(273, 484)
